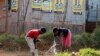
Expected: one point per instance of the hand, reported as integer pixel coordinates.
(37, 40)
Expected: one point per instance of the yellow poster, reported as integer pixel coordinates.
(77, 6)
(59, 5)
(47, 5)
(36, 4)
(14, 5)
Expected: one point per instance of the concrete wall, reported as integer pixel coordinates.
(75, 18)
(34, 16)
(94, 12)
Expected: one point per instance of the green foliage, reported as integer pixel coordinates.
(87, 40)
(12, 42)
(96, 36)
(82, 52)
(46, 40)
(8, 42)
(83, 40)
(75, 40)
(78, 41)
(89, 52)
(47, 37)
(3, 38)
(20, 41)
(7, 38)
(63, 54)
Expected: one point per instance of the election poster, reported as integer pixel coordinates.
(47, 5)
(77, 6)
(36, 4)
(59, 5)
(14, 5)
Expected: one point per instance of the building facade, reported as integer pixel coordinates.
(93, 15)
(45, 13)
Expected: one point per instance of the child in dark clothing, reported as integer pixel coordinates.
(65, 37)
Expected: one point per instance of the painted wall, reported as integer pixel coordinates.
(76, 18)
(93, 12)
(35, 16)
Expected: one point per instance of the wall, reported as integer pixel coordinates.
(94, 11)
(40, 17)
(76, 18)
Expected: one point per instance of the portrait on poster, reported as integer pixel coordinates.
(14, 5)
(36, 4)
(77, 6)
(59, 5)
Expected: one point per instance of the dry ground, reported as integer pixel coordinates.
(21, 53)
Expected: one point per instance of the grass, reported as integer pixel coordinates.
(63, 54)
(82, 52)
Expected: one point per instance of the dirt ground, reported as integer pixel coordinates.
(21, 53)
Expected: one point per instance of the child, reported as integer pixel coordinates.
(65, 37)
(32, 38)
